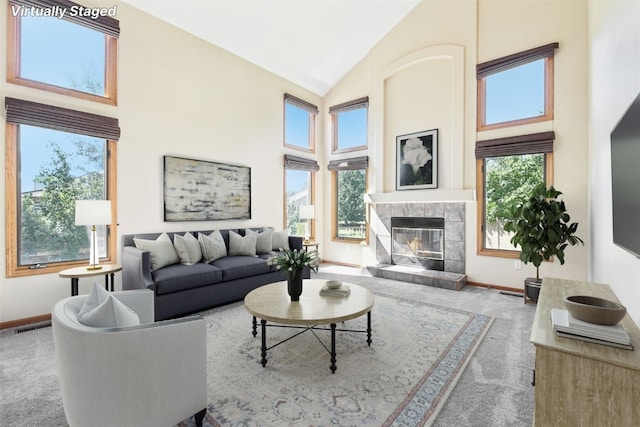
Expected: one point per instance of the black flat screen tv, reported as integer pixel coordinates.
(625, 179)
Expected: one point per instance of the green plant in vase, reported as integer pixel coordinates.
(542, 229)
(293, 262)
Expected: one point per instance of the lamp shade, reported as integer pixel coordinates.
(93, 212)
(307, 212)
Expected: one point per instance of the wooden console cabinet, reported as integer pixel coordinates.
(579, 383)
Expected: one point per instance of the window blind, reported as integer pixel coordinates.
(300, 163)
(104, 24)
(354, 163)
(516, 145)
(491, 67)
(300, 103)
(350, 105)
(24, 112)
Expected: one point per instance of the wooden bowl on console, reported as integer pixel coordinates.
(594, 310)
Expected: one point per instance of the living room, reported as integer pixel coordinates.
(181, 96)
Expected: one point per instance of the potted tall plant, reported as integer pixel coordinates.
(542, 229)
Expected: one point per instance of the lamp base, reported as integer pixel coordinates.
(94, 267)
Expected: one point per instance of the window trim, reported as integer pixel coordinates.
(512, 146)
(335, 166)
(313, 112)
(13, 64)
(42, 115)
(356, 104)
(488, 68)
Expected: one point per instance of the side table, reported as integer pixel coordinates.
(78, 272)
(307, 245)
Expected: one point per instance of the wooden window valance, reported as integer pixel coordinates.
(300, 163)
(514, 60)
(354, 163)
(300, 103)
(516, 145)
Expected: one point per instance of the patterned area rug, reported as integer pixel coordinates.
(418, 352)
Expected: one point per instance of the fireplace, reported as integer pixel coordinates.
(418, 241)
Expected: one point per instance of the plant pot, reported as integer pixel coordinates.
(294, 284)
(532, 288)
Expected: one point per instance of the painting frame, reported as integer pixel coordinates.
(417, 160)
(201, 190)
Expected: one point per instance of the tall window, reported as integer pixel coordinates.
(349, 122)
(508, 170)
(299, 123)
(349, 177)
(299, 191)
(54, 157)
(512, 91)
(516, 89)
(72, 55)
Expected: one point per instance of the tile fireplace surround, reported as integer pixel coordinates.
(453, 276)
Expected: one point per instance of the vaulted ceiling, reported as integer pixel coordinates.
(312, 43)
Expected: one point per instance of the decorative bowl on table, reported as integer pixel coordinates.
(594, 310)
(333, 284)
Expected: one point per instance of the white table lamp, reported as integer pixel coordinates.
(93, 212)
(307, 212)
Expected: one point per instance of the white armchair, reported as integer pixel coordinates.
(154, 374)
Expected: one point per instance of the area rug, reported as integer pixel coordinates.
(418, 352)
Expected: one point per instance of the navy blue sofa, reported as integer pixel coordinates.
(184, 289)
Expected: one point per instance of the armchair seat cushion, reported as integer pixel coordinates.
(237, 267)
(178, 277)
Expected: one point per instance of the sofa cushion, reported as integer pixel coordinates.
(280, 240)
(239, 245)
(161, 251)
(188, 248)
(237, 267)
(212, 246)
(179, 277)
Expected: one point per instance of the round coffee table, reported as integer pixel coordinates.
(272, 303)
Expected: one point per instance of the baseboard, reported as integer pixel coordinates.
(25, 321)
(344, 264)
(496, 287)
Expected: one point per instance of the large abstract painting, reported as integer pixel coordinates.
(197, 190)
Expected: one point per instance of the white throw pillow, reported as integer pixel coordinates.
(239, 245)
(263, 240)
(111, 313)
(161, 251)
(188, 248)
(212, 246)
(280, 240)
(97, 295)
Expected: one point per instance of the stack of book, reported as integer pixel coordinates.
(342, 291)
(568, 326)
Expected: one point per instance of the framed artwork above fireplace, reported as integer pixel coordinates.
(417, 160)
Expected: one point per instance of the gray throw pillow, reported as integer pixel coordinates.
(188, 248)
(212, 246)
(102, 310)
(161, 251)
(239, 245)
(280, 240)
(263, 240)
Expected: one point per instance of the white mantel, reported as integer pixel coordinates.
(419, 196)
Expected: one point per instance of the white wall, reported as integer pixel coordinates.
(614, 39)
(177, 96)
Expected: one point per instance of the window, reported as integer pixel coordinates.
(299, 123)
(516, 89)
(299, 191)
(75, 55)
(508, 169)
(349, 125)
(54, 157)
(349, 179)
